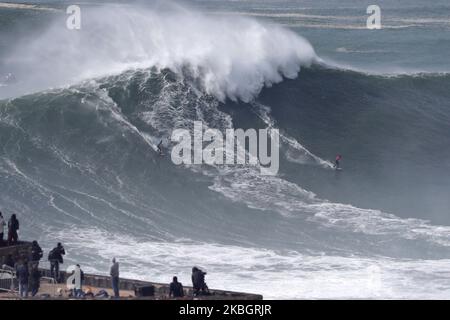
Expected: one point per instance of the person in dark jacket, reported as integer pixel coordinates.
(79, 292)
(22, 275)
(78, 287)
(114, 273)
(198, 282)
(176, 289)
(36, 253)
(159, 148)
(13, 226)
(9, 261)
(35, 280)
(55, 257)
(2, 228)
(337, 161)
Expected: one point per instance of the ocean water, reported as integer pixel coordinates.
(81, 117)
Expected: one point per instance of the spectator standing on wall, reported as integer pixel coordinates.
(114, 273)
(55, 256)
(35, 280)
(9, 263)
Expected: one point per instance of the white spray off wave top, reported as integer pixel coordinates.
(230, 57)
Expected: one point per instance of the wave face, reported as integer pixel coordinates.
(79, 163)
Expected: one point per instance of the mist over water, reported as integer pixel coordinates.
(79, 128)
(225, 61)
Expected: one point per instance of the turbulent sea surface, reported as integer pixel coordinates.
(80, 120)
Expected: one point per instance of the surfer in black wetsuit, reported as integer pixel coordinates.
(336, 162)
(159, 148)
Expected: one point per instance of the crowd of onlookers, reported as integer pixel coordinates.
(26, 268)
(28, 274)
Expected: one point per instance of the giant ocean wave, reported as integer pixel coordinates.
(78, 161)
